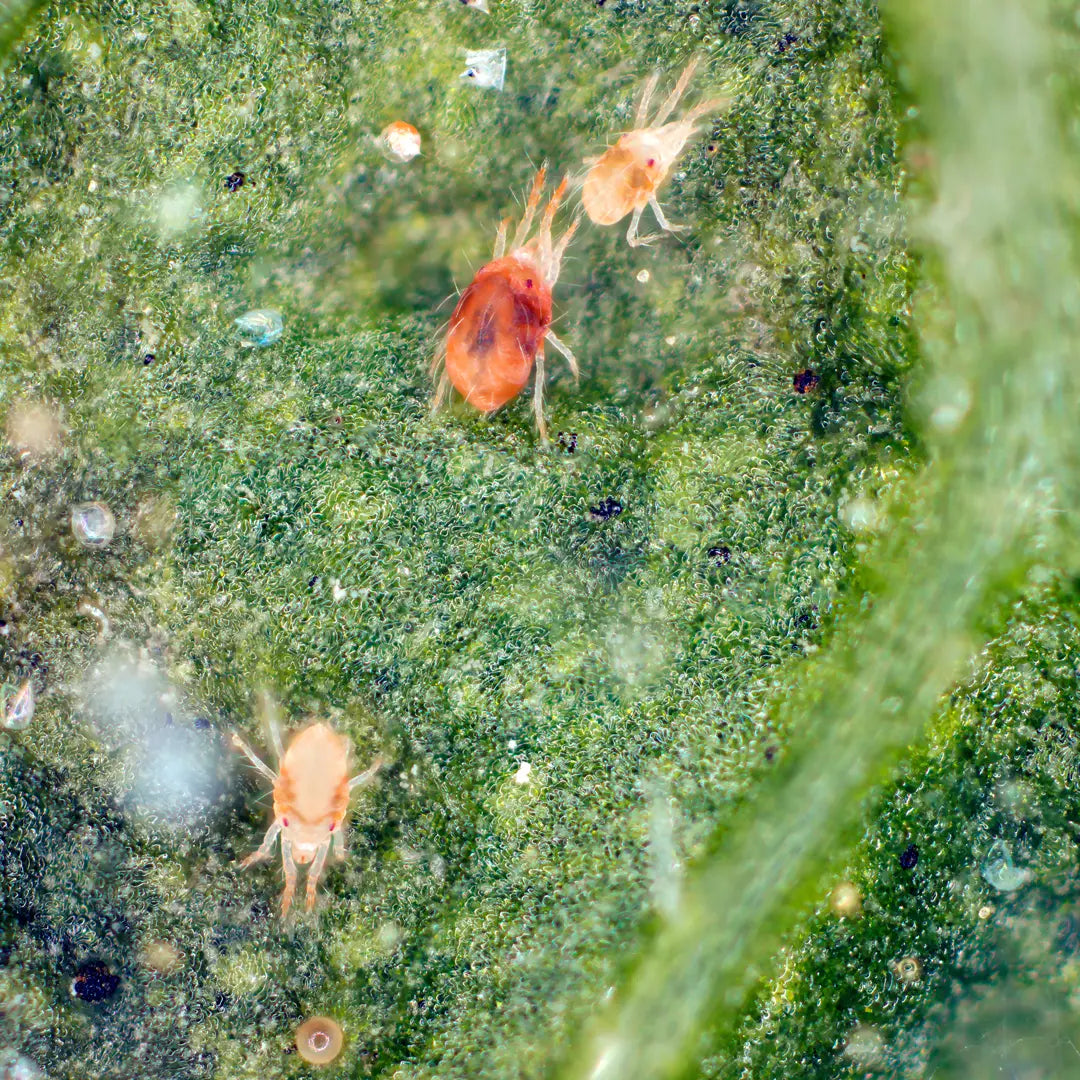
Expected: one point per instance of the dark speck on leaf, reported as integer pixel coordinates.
(94, 982)
(608, 508)
(720, 555)
(786, 42)
(235, 181)
(770, 753)
(805, 381)
(568, 441)
(202, 723)
(909, 857)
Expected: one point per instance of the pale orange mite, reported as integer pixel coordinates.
(311, 798)
(625, 178)
(502, 320)
(400, 141)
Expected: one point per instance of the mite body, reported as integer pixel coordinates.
(502, 320)
(311, 798)
(625, 178)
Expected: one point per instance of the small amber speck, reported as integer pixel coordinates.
(846, 900)
(319, 1040)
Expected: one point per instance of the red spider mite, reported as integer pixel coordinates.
(502, 320)
(625, 178)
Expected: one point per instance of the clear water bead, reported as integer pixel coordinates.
(262, 326)
(93, 524)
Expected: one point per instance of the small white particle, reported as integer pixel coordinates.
(643, 276)
(523, 773)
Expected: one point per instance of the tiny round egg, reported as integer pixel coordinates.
(319, 1040)
(400, 142)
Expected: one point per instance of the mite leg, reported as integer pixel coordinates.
(290, 875)
(314, 872)
(538, 394)
(254, 758)
(663, 221)
(571, 359)
(705, 107)
(680, 88)
(365, 778)
(441, 394)
(560, 249)
(632, 237)
(265, 849)
(438, 357)
(549, 217)
(646, 99)
(500, 239)
(267, 707)
(530, 208)
(337, 842)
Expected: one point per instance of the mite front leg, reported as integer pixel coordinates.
(565, 350)
(337, 843)
(254, 758)
(290, 876)
(632, 237)
(366, 777)
(315, 872)
(663, 221)
(265, 849)
(538, 394)
(500, 239)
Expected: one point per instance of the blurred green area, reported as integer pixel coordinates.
(443, 588)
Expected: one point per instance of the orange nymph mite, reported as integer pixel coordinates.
(311, 799)
(626, 176)
(498, 329)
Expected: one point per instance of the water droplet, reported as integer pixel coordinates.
(263, 326)
(19, 711)
(1000, 872)
(93, 524)
(485, 67)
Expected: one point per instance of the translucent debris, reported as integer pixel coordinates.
(93, 524)
(262, 326)
(14, 1066)
(476, 5)
(19, 710)
(486, 67)
(400, 142)
(1000, 872)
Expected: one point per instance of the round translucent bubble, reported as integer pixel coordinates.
(93, 524)
(261, 327)
(999, 871)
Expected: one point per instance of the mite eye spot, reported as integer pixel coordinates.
(528, 283)
(651, 162)
(285, 822)
(332, 826)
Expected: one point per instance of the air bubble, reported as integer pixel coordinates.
(93, 524)
(261, 327)
(485, 67)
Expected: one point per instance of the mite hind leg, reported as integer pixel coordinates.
(646, 99)
(314, 873)
(367, 775)
(562, 347)
(265, 849)
(337, 843)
